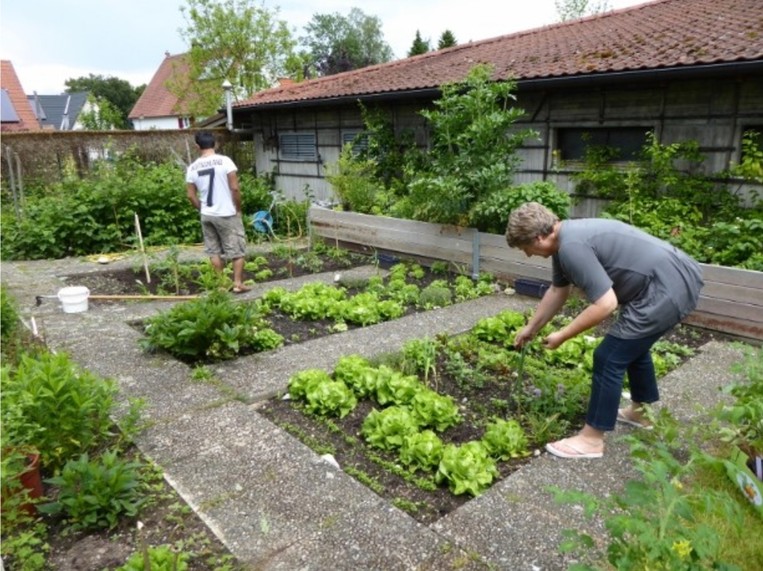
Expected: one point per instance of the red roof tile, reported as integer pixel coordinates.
(662, 34)
(10, 82)
(157, 100)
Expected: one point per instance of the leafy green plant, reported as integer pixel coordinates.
(498, 328)
(744, 416)
(212, 327)
(505, 439)
(473, 149)
(387, 428)
(420, 357)
(160, 558)
(434, 410)
(303, 381)
(53, 405)
(357, 373)
(421, 451)
(467, 468)
(659, 520)
(354, 181)
(394, 387)
(436, 294)
(9, 316)
(367, 309)
(94, 494)
(330, 398)
(491, 213)
(25, 549)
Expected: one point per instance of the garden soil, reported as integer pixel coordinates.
(258, 492)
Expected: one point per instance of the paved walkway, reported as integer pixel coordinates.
(273, 501)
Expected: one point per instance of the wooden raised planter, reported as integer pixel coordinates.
(731, 301)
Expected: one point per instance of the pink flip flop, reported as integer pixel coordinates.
(572, 451)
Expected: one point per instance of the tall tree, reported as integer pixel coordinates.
(419, 46)
(102, 115)
(234, 40)
(571, 9)
(447, 40)
(337, 43)
(120, 95)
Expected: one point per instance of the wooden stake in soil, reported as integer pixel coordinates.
(142, 248)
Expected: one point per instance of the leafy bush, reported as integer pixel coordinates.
(354, 181)
(491, 213)
(473, 152)
(53, 405)
(96, 214)
(94, 494)
(212, 327)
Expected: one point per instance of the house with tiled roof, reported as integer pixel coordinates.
(60, 112)
(679, 69)
(16, 115)
(158, 107)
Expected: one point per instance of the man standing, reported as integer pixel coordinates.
(654, 285)
(212, 188)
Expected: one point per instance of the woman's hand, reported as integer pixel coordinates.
(554, 340)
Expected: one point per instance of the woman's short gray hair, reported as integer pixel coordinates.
(527, 222)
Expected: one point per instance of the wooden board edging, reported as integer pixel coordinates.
(731, 301)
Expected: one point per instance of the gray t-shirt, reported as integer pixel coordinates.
(656, 284)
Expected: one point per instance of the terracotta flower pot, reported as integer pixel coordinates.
(31, 481)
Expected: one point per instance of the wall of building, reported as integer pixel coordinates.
(677, 111)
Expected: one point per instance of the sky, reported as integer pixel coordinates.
(50, 41)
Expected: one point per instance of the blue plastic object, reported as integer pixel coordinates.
(263, 222)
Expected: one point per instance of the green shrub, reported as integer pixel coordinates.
(354, 181)
(56, 407)
(96, 214)
(492, 212)
(94, 494)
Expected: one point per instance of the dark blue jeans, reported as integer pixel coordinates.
(612, 359)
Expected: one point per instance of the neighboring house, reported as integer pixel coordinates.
(60, 112)
(682, 69)
(158, 107)
(15, 113)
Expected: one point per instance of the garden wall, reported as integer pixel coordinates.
(731, 301)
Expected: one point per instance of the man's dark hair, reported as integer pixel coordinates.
(205, 140)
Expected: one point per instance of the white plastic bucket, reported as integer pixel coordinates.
(74, 298)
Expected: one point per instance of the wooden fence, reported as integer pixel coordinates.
(731, 301)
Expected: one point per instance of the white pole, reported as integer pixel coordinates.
(142, 248)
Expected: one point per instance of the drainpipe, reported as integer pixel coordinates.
(228, 104)
(229, 111)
